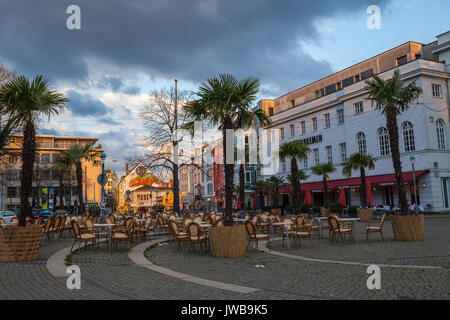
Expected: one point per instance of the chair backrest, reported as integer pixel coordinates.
(62, 223)
(289, 225)
(333, 222)
(300, 220)
(15, 219)
(148, 222)
(255, 220)
(57, 223)
(264, 218)
(49, 224)
(198, 219)
(109, 220)
(40, 221)
(75, 228)
(2, 221)
(247, 217)
(250, 227)
(29, 222)
(382, 220)
(193, 230)
(89, 224)
(218, 223)
(128, 221)
(174, 227)
(187, 221)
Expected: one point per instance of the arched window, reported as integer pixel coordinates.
(361, 138)
(408, 137)
(383, 138)
(440, 130)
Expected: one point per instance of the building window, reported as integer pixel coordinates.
(12, 175)
(14, 158)
(305, 163)
(12, 192)
(45, 158)
(292, 130)
(383, 139)
(437, 90)
(316, 157)
(329, 154)
(247, 177)
(357, 78)
(326, 120)
(292, 104)
(440, 130)
(210, 188)
(281, 133)
(401, 61)
(314, 124)
(343, 148)
(361, 138)
(270, 111)
(302, 128)
(283, 166)
(359, 108)
(317, 94)
(340, 116)
(408, 137)
(339, 86)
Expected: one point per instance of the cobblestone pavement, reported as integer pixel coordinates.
(114, 276)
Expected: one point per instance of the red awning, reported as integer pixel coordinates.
(375, 181)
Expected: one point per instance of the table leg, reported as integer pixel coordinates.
(287, 234)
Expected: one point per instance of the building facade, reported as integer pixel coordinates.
(334, 118)
(46, 182)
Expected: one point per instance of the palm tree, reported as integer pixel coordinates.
(30, 101)
(261, 187)
(393, 98)
(226, 102)
(361, 162)
(73, 157)
(324, 170)
(274, 183)
(301, 176)
(294, 150)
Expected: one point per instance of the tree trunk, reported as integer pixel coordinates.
(61, 190)
(363, 193)
(295, 187)
(79, 172)
(242, 186)
(391, 124)
(26, 178)
(325, 192)
(229, 175)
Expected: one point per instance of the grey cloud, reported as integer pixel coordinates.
(186, 39)
(84, 105)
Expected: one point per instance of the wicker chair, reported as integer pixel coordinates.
(195, 235)
(55, 228)
(2, 221)
(302, 230)
(90, 227)
(143, 230)
(314, 226)
(14, 220)
(48, 227)
(253, 236)
(123, 233)
(289, 229)
(370, 229)
(82, 234)
(337, 229)
(176, 235)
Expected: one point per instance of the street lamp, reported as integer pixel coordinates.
(102, 198)
(413, 161)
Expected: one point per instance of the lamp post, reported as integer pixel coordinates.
(413, 161)
(102, 196)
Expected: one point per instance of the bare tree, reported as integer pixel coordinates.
(163, 118)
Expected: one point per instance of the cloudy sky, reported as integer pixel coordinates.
(128, 48)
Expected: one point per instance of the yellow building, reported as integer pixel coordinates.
(46, 183)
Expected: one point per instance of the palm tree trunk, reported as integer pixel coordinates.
(79, 172)
(61, 190)
(295, 186)
(229, 175)
(26, 178)
(362, 193)
(242, 186)
(391, 124)
(325, 190)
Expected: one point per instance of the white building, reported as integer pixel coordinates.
(334, 118)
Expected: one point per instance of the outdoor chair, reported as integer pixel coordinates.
(218, 223)
(253, 236)
(14, 220)
(82, 234)
(337, 229)
(90, 227)
(55, 228)
(264, 222)
(143, 230)
(314, 226)
(379, 229)
(48, 227)
(198, 219)
(302, 230)
(29, 221)
(123, 233)
(2, 221)
(195, 235)
(176, 235)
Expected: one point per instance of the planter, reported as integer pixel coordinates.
(20, 243)
(365, 215)
(408, 228)
(228, 242)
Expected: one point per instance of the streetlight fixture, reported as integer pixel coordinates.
(413, 161)
(102, 198)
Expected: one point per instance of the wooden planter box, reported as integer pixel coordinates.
(20, 243)
(408, 228)
(227, 242)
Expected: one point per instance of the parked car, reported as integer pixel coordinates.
(44, 213)
(7, 215)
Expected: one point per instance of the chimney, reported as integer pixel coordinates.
(126, 168)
